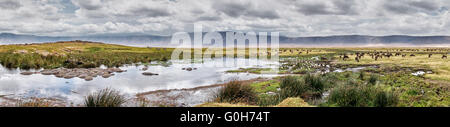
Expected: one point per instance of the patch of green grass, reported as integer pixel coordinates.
(94, 49)
(415, 91)
(351, 95)
(266, 86)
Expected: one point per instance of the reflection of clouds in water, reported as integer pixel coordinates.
(130, 82)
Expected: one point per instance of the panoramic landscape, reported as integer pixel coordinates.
(80, 73)
(80, 53)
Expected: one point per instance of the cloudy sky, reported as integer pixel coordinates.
(163, 17)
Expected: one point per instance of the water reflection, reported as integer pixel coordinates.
(15, 85)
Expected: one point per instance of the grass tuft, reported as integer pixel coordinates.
(105, 98)
(234, 92)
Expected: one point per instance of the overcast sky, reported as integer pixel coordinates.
(163, 17)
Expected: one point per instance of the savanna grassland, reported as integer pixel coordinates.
(77, 54)
(309, 77)
(354, 77)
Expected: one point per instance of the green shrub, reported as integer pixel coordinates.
(292, 87)
(105, 98)
(373, 79)
(385, 99)
(351, 95)
(361, 75)
(315, 81)
(235, 92)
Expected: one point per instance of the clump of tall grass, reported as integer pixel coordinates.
(315, 82)
(373, 79)
(352, 95)
(269, 100)
(385, 99)
(142, 102)
(105, 98)
(292, 87)
(361, 75)
(311, 86)
(235, 92)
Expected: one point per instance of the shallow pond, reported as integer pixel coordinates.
(13, 85)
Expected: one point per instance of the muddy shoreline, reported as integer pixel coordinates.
(186, 97)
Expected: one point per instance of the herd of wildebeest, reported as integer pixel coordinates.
(380, 54)
(376, 55)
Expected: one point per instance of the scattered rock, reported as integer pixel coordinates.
(107, 75)
(88, 78)
(84, 73)
(28, 73)
(149, 73)
(189, 69)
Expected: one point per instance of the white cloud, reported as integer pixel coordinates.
(291, 17)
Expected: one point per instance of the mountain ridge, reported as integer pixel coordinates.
(160, 40)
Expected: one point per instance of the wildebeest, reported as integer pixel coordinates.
(357, 59)
(444, 56)
(429, 55)
(345, 57)
(412, 55)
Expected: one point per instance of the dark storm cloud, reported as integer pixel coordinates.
(148, 12)
(399, 8)
(10, 4)
(337, 7)
(345, 7)
(264, 14)
(209, 18)
(314, 9)
(244, 9)
(411, 7)
(232, 9)
(427, 5)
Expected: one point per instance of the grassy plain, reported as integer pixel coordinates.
(387, 81)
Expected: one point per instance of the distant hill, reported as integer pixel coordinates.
(319, 41)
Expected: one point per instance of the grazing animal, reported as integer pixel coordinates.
(404, 55)
(345, 57)
(444, 56)
(376, 57)
(412, 55)
(357, 59)
(429, 55)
